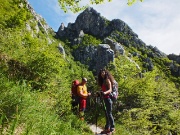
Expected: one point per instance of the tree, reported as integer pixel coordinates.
(76, 5)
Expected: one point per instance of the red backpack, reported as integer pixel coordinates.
(75, 83)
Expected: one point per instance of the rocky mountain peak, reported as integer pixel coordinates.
(115, 33)
(89, 11)
(91, 22)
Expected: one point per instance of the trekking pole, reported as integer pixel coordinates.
(96, 114)
(104, 107)
(91, 99)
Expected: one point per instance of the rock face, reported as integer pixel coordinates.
(175, 69)
(39, 24)
(91, 22)
(115, 35)
(40, 20)
(62, 51)
(115, 46)
(95, 57)
(174, 57)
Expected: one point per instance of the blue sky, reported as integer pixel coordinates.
(157, 22)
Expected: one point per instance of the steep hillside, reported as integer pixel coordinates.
(38, 65)
(35, 79)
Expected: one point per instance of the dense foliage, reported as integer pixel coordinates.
(150, 102)
(77, 5)
(35, 81)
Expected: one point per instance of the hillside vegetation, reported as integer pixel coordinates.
(35, 82)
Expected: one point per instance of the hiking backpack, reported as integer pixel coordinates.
(74, 95)
(74, 86)
(114, 93)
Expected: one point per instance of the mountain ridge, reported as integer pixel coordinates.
(117, 31)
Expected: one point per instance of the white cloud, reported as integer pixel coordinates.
(161, 25)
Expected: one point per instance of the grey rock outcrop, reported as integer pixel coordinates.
(174, 67)
(117, 47)
(155, 52)
(174, 58)
(62, 51)
(96, 57)
(91, 22)
(38, 20)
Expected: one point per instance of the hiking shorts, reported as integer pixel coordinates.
(82, 105)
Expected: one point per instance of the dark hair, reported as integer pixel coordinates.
(84, 79)
(107, 76)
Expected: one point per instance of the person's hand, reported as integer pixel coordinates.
(89, 94)
(102, 93)
(98, 94)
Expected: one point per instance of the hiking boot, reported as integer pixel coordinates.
(106, 131)
(82, 118)
(110, 133)
(112, 130)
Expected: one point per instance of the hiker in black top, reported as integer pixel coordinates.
(105, 81)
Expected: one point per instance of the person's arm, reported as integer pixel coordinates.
(109, 87)
(82, 93)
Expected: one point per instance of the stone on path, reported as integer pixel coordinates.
(94, 130)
